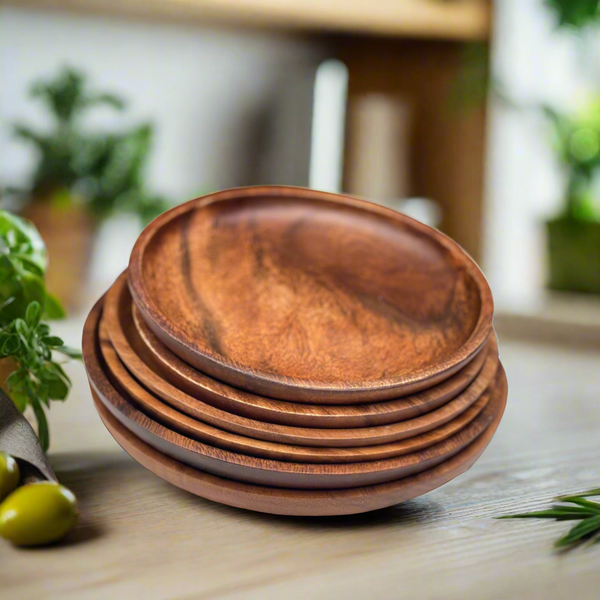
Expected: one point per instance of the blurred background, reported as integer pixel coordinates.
(480, 118)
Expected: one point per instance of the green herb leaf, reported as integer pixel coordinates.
(10, 345)
(592, 506)
(43, 431)
(53, 341)
(70, 352)
(33, 314)
(580, 531)
(560, 513)
(585, 511)
(594, 492)
(38, 379)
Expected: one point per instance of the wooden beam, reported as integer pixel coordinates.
(442, 19)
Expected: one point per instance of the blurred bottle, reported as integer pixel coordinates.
(379, 157)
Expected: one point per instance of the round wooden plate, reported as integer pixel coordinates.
(269, 472)
(172, 419)
(246, 404)
(125, 339)
(303, 295)
(278, 501)
(153, 352)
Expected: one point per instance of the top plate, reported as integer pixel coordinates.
(295, 294)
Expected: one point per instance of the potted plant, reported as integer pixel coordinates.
(29, 371)
(574, 235)
(81, 176)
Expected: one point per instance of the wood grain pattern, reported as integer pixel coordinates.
(201, 386)
(445, 545)
(125, 339)
(262, 471)
(298, 502)
(303, 295)
(172, 419)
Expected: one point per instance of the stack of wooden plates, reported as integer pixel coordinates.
(297, 352)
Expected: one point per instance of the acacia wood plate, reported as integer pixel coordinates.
(293, 502)
(221, 395)
(172, 419)
(308, 296)
(125, 339)
(263, 471)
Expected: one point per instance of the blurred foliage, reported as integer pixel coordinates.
(24, 336)
(575, 13)
(577, 143)
(105, 171)
(22, 269)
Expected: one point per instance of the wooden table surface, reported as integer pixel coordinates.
(139, 537)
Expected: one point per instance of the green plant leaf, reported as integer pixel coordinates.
(559, 513)
(25, 236)
(70, 352)
(587, 504)
(42, 423)
(22, 329)
(9, 346)
(26, 134)
(24, 301)
(594, 492)
(57, 388)
(33, 314)
(585, 511)
(111, 100)
(53, 341)
(100, 169)
(53, 309)
(574, 13)
(579, 532)
(19, 399)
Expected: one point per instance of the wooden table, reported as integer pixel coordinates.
(141, 538)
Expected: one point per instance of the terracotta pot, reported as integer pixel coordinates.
(7, 366)
(69, 234)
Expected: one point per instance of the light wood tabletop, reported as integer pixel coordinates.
(139, 537)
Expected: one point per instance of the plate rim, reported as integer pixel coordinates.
(291, 502)
(280, 384)
(99, 379)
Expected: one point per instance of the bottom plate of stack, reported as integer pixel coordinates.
(280, 487)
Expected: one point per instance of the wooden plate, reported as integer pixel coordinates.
(221, 395)
(291, 502)
(172, 419)
(125, 339)
(262, 471)
(305, 296)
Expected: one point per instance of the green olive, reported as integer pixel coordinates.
(9, 474)
(37, 514)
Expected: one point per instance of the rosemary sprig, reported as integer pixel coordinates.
(574, 508)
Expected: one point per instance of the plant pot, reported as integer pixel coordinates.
(7, 366)
(574, 253)
(69, 234)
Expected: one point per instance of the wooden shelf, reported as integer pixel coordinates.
(441, 19)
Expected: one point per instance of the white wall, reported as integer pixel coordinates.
(535, 63)
(199, 85)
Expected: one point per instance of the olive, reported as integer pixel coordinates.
(9, 474)
(37, 514)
